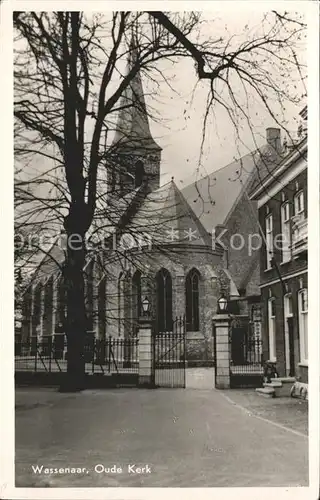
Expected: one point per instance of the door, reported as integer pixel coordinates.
(238, 345)
(291, 347)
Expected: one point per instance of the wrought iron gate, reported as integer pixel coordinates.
(169, 355)
(246, 363)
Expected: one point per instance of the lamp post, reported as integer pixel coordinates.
(222, 345)
(146, 346)
(222, 305)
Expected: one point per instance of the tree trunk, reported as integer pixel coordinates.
(76, 319)
(75, 297)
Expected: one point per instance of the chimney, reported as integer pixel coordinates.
(274, 138)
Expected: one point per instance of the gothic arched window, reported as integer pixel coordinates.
(102, 308)
(48, 307)
(26, 314)
(89, 288)
(192, 300)
(121, 304)
(138, 174)
(61, 305)
(36, 308)
(136, 293)
(113, 180)
(164, 300)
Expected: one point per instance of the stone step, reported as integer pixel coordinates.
(275, 384)
(284, 380)
(266, 392)
(283, 390)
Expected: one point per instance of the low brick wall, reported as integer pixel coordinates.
(55, 379)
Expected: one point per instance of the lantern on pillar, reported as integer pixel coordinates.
(222, 305)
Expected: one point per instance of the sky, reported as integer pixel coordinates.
(179, 132)
(181, 140)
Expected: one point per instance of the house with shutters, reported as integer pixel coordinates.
(221, 202)
(282, 199)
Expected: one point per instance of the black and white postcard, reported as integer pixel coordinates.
(160, 267)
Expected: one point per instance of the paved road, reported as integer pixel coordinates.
(189, 438)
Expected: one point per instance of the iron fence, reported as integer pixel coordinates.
(107, 356)
(169, 353)
(246, 356)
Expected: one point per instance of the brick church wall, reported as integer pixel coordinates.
(199, 345)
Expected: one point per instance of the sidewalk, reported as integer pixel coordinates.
(289, 412)
(35, 397)
(188, 438)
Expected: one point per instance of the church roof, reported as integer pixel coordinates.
(213, 197)
(132, 128)
(165, 217)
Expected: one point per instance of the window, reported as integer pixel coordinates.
(272, 328)
(139, 172)
(288, 306)
(48, 290)
(299, 203)
(102, 308)
(89, 278)
(303, 324)
(288, 325)
(269, 240)
(113, 179)
(136, 295)
(285, 232)
(192, 301)
(27, 313)
(61, 305)
(121, 304)
(36, 319)
(48, 306)
(164, 300)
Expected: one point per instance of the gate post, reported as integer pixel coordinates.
(145, 350)
(221, 326)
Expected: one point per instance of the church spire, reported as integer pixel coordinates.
(135, 154)
(132, 128)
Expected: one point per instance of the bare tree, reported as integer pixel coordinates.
(68, 83)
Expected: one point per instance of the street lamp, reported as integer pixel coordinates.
(222, 305)
(146, 307)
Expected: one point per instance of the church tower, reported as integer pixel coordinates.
(135, 156)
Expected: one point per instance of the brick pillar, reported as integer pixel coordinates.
(221, 325)
(145, 349)
(209, 293)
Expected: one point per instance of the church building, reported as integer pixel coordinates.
(180, 249)
(151, 245)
